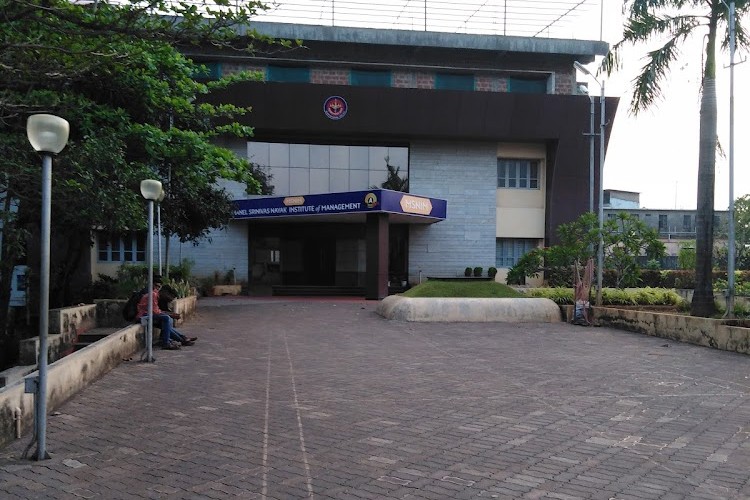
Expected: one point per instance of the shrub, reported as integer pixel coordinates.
(651, 278)
(467, 272)
(560, 276)
(477, 272)
(181, 288)
(181, 272)
(616, 296)
(559, 295)
(492, 272)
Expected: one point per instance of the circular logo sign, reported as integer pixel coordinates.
(335, 107)
(371, 200)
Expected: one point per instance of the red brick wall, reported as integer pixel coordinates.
(403, 80)
(491, 83)
(425, 80)
(330, 76)
(413, 80)
(565, 83)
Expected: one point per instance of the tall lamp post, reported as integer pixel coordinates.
(48, 135)
(731, 235)
(151, 190)
(158, 223)
(602, 129)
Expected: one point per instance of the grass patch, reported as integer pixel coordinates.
(477, 289)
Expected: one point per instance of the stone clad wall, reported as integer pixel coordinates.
(464, 174)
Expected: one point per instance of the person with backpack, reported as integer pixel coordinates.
(171, 339)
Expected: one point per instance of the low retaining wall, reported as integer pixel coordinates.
(529, 310)
(66, 377)
(186, 307)
(65, 324)
(706, 332)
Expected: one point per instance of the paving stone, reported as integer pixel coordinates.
(281, 399)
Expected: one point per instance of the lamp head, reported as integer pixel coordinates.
(47, 133)
(161, 196)
(583, 69)
(151, 189)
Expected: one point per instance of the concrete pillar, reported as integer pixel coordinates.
(376, 282)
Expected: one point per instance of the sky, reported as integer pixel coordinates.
(656, 152)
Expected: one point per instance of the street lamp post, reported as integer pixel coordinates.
(602, 130)
(151, 190)
(158, 224)
(48, 135)
(731, 235)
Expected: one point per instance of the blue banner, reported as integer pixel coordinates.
(375, 201)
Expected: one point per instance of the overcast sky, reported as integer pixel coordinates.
(656, 153)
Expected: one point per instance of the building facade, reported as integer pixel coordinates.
(676, 227)
(493, 126)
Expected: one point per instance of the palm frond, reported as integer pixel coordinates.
(648, 83)
(647, 27)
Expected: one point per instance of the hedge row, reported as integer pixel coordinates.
(613, 296)
(647, 278)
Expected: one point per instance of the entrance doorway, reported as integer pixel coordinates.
(319, 261)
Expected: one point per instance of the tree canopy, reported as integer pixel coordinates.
(135, 105)
(668, 23)
(625, 238)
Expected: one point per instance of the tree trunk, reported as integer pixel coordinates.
(703, 296)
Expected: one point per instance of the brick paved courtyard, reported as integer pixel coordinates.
(324, 399)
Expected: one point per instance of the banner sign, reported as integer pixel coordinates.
(372, 201)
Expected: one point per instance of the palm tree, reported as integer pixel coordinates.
(675, 21)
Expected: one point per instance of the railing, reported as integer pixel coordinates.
(566, 19)
(576, 19)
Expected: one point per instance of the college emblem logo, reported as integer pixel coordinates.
(335, 107)
(371, 200)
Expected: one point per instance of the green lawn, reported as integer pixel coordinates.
(481, 289)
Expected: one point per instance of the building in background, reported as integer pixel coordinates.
(676, 228)
(489, 127)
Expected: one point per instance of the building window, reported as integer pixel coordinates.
(370, 78)
(663, 226)
(687, 223)
(288, 74)
(129, 247)
(509, 250)
(611, 216)
(517, 174)
(450, 81)
(527, 85)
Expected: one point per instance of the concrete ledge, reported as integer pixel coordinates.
(706, 332)
(219, 290)
(531, 310)
(67, 376)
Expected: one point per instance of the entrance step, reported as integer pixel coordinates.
(319, 291)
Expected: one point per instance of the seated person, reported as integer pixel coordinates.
(171, 339)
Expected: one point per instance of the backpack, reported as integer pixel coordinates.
(130, 309)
